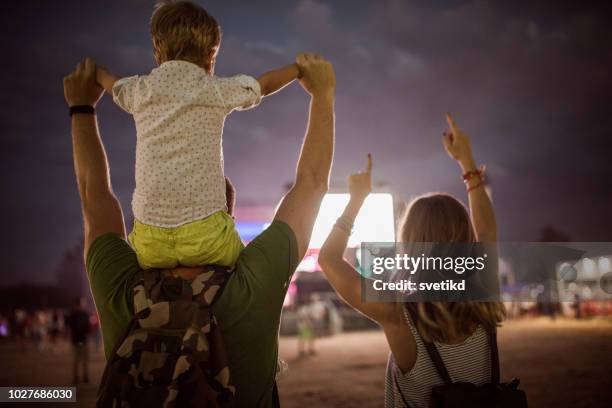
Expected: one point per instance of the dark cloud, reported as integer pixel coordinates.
(529, 81)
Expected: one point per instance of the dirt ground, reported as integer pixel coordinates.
(561, 364)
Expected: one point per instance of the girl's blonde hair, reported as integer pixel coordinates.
(437, 217)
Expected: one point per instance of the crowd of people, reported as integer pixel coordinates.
(58, 331)
(44, 329)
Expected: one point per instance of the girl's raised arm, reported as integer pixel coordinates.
(457, 145)
(340, 273)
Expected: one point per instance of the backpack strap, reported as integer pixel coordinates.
(431, 349)
(399, 389)
(105, 396)
(495, 377)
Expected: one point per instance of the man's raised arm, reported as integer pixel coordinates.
(101, 209)
(300, 206)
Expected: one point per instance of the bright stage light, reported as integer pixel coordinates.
(375, 222)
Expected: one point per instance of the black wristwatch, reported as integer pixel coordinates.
(81, 109)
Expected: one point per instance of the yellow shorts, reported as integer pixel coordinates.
(209, 241)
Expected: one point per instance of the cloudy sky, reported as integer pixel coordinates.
(530, 83)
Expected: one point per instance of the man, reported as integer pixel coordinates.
(78, 323)
(248, 310)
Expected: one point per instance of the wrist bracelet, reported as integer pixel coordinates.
(470, 174)
(344, 224)
(81, 109)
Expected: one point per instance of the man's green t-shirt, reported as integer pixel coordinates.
(247, 310)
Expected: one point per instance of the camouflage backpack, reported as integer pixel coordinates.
(172, 354)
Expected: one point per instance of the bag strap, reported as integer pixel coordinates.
(105, 395)
(399, 390)
(431, 349)
(495, 377)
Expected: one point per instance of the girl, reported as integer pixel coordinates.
(459, 330)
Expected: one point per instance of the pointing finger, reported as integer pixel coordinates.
(451, 123)
(369, 165)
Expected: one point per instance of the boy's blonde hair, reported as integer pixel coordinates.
(182, 30)
(439, 217)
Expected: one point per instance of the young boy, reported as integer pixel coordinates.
(179, 203)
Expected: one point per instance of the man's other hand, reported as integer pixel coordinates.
(318, 78)
(80, 87)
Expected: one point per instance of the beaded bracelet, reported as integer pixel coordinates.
(470, 174)
(344, 224)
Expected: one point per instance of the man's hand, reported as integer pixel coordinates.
(360, 184)
(318, 76)
(80, 87)
(300, 206)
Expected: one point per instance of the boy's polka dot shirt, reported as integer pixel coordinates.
(179, 112)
